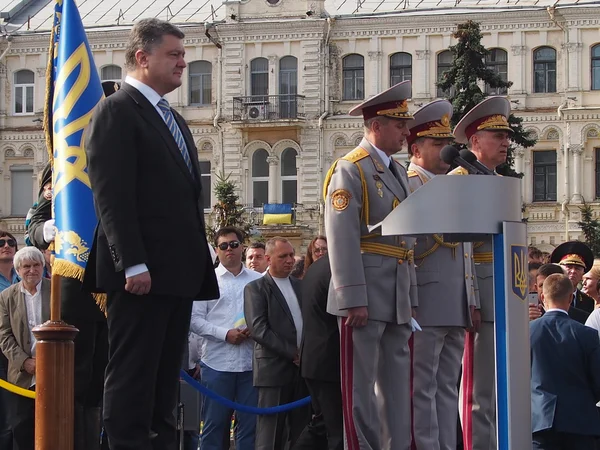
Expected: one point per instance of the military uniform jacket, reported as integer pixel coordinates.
(367, 269)
(484, 270)
(445, 274)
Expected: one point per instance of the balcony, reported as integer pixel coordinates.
(261, 108)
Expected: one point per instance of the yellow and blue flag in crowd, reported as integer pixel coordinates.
(277, 213)
(73, 90)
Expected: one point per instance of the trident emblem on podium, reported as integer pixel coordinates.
(518, 264)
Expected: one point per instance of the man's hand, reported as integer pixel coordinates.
(475, 319)
(534, 312)
(413, 313)
(29, 366)
(139, 284)
(235, 336)
(296, 359)
(357, 317)
(196, 374)
(49, 231)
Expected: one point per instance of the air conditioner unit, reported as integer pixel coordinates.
(256, 111)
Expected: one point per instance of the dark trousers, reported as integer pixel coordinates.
(326, 400)
(6, 400)
(146, 337)
(553, 440)
(23, 422)
(271, 432)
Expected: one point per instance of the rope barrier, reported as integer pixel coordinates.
(239, 407)
(16, 389)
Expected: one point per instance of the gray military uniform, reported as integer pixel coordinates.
(376, 272)
(446, 282)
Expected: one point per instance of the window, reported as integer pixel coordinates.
(24, 92)
(205, 181)
(260, 178)
(353, 68)
(21, 185)
(288, 87)
(596, 67)
(111, 73)
(289, 178)
(400, 68)
(259, 76)
(544, 176)
(444, 63)
(497, 60)
(544, 70)
(597, 151)
(200, 73)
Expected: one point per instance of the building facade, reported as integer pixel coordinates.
(269, 84)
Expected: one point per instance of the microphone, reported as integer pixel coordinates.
(450, 156)
(470, 157)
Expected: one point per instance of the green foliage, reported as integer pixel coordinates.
(462, 81)
(590, 228)
(228, 211)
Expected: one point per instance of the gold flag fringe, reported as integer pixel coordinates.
(68, 269)
(48, 104)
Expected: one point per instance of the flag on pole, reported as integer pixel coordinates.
(73, 89)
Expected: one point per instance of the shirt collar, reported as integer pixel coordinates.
(384, 157)
(426, 172)
(558, 310)
(38, 289)
(150, 94)
(221, 270)
(14, 277)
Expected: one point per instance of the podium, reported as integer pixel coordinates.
(479, 208)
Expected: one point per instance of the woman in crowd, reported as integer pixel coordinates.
(316, 249)
(590, 282)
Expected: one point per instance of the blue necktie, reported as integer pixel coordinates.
(176, 132)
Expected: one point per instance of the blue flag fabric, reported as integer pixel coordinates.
(277, 213)
(73, 90)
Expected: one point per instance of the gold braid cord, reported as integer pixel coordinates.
(439, 242)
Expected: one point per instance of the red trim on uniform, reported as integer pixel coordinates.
(411, 345)
(467, 391)
(347, 375)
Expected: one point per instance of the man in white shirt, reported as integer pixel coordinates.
(226, 362)
(272, 309)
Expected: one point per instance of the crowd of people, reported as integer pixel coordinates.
(391, 336)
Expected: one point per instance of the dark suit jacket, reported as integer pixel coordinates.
(272, 327)
(15, 340)
(584, 302)
(320, 349)
(148, 203)
(565, 375)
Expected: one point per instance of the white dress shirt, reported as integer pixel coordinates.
(557, 309)
(33, 304)
(153, 97)
(285, 286)
(593, 321)
(384, 156)
(213, 319)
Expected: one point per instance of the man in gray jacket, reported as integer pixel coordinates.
(447, 300)
(373, 287)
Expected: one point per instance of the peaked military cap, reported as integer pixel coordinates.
(575, 253)
(390, 103)
(491, 114)
(432, 121)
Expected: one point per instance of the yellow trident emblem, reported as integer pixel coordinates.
(519, 270)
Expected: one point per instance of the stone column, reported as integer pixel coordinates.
(518, 69)
(3, 89)
(421, 84)
(577, 151)
(519, 153)
(273, 178)
(374, 71)
(273, 75)
(573, 53)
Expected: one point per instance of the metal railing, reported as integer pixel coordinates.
(254, 108)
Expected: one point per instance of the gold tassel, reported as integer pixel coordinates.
(48, 104)
(68, 269)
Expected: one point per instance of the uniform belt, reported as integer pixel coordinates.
(483, 258)
(401, 254)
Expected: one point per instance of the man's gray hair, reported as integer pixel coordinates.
(145, 35)
(271, 243)
(28, 254)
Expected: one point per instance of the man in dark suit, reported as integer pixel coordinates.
(565, 374)
(577, 259)
(145, 178)
(274, 318)
(320, 351)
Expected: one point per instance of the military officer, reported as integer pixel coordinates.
(577, 259)
(486, 132)
(373, 287)
(447, 301)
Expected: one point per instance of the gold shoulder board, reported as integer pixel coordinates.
(356, 155)
(412, 174)
(459, 171)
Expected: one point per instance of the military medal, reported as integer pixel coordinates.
(379, 185)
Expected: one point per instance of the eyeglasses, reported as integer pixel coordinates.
(10, 242)
(225, 245)
(320, 250)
